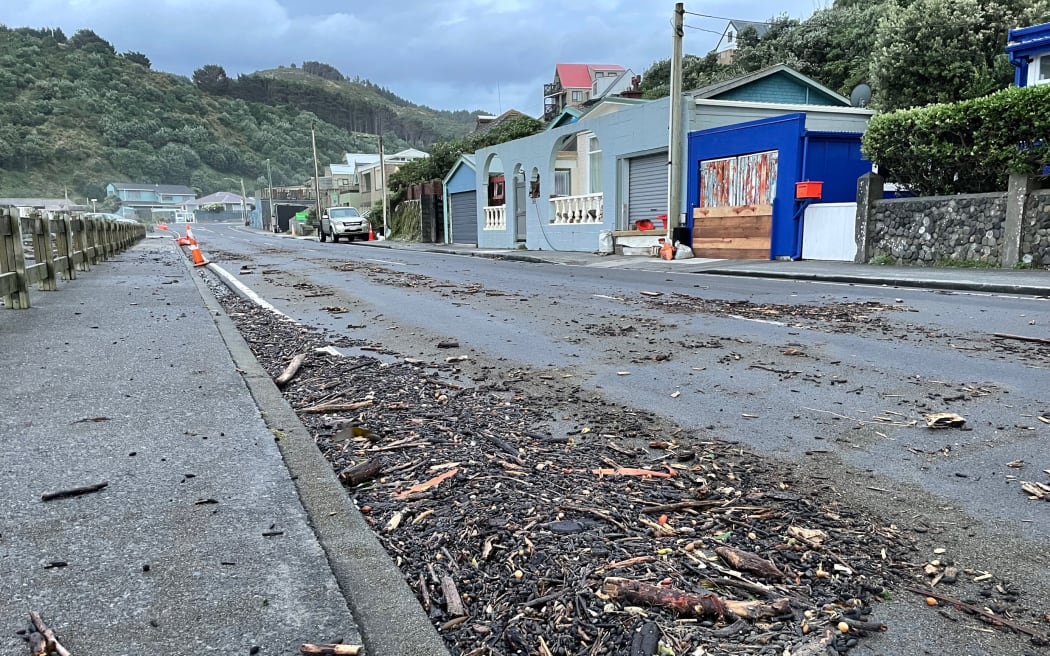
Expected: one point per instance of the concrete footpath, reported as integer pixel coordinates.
(221, 529)
(1035, 282)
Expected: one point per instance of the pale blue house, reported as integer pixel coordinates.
(607, 169)
(143, 201)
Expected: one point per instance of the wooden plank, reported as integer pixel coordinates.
(8, 283)
(732, 253)
(12, 261)
(738, 210)
(44, 254)
(764, 230)
(737, 242)
(36, 273)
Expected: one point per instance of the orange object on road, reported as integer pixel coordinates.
(371, 235)
(189, 236)
(666, 250)
(197, 256)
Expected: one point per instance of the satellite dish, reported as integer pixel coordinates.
(860, 96)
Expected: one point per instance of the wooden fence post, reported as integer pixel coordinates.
(92, 241)
(13, 284)
(80, 256)
(63, 247)
(43, 254)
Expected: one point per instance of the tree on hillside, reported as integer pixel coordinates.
(88, 41)
(211, 79)
(137, 57)
(945, 50)
(322, 70)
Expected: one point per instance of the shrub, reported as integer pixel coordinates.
(966, 147)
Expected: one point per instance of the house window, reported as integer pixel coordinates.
(1043, 76)
(577, 96)
(594, 165)
(729, 37)
(562, 182)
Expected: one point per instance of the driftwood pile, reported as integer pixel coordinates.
(530, 517)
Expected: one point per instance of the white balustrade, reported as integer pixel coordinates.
(576, 209)
(496, 217)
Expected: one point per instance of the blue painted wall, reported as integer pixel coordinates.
(836, 160)
(783, 134)
(464, 179)
(779, 88)
(1025, 43)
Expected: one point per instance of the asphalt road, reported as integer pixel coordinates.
(842, 400)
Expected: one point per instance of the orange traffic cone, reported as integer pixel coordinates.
(371, 235)
(189, 236)
(197, 256)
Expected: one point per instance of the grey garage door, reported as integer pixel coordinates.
(646, 188)
(464, 207)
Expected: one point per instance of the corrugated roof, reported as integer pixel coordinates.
(741, 25)
(159, 188)
(223, 197)
(580, 76)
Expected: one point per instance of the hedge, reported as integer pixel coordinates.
(970, 146)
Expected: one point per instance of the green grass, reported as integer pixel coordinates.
(882, 260)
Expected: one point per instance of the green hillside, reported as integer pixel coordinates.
(76, 115)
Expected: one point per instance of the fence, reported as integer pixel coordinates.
(61, 245)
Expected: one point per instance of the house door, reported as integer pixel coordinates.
(646, 188)
(734, 219)
(519, 208)
(464, 208)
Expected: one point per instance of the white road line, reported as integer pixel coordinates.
(258, 300)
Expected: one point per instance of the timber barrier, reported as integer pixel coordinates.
(62, 246)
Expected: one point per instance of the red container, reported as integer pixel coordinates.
(808, 190)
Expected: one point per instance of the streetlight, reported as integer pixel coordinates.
(269, 195)
(93, 205)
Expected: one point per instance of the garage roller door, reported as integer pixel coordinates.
(464, 208)
(646, 188)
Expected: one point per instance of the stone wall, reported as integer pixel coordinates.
(925, 231)
(1035, 229)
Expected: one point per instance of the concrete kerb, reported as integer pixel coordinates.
(387, 614)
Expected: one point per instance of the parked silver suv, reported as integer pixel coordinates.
(343, 222)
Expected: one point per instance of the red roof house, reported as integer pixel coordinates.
(574, 84)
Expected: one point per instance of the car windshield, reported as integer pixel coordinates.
(343, 212)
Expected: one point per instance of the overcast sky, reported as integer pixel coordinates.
(447, 54)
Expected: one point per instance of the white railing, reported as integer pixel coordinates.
(496, 217)
(577, 209)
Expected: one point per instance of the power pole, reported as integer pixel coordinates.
(674, 137)
(269, 180)
(317, 186)
(382, 179)
(244, 204)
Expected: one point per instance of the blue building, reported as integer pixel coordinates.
(1029, 50)
(147, 202)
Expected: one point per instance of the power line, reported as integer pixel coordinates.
(726, 18)
(703, 29)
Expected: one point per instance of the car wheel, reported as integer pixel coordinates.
(335, 238)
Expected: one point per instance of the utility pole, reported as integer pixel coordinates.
(382, 179)
(244, 205)
(317, 187)
(674, 137)
(269, 193)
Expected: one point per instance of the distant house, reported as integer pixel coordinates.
(373, 177)
(1029, 50)
(485, 122)
(461, 201)
(143, 201)
(575, 84)
(229, 201)
(46, 206)
(730, 40)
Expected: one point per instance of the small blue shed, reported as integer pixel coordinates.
(742, 194)
(461, 201)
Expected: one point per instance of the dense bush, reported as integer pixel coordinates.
(966, 147)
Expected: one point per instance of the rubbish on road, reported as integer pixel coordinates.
(983, 615)
(290, 371)
(1022, 338)
(427, 484)
(648, 293)
(707, 605)
(457, 358)
(360, 473)
(335, 309)
(331, 650)
(74, 491)
(246, 270)
(944, 420)
(633, 471)
(326, 408)
(1036, 491)
(42, 638)
(447, 344)
(746, 561)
